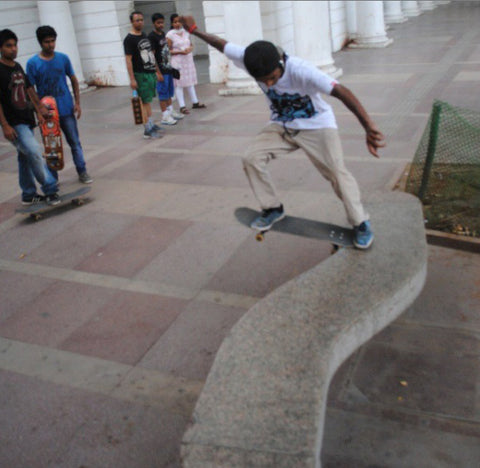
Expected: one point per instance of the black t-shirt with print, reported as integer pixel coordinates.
(140, 48)
(13, 95)
(161, 50)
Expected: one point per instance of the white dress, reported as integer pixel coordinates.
(184, 63)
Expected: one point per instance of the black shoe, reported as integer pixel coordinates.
(84, 178)
(53, 199)
(33, 200)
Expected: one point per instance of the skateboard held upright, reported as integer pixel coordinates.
(52, 135)
(137, 107)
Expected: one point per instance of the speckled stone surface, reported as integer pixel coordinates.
(264, 400)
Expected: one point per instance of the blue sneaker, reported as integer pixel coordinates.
(363, 237)
(147, 134)
(268, 217)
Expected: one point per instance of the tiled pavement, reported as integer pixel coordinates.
(111, 314)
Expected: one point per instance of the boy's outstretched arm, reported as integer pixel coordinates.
(215, 41)
(375, 138)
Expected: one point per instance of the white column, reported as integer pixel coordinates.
(57, 15)
(351, 12)
(410, 8)
(426, 6)
(312, 35)
(370, 26)
(243, 25)
(393, 12)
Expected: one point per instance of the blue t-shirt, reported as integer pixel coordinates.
(50, 79)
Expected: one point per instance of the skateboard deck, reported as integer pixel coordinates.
(36, 211)
(138, 110)
(337, 235)
(52, 135)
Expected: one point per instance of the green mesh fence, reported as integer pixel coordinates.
(445, 173)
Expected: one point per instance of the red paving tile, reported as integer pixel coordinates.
(125, 328)
(55, 314)
(134, 247)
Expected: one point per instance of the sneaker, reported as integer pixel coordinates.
(168, 120)
(363, 237)
(53, 199)
(147, 134)
(177, 115)
(268, 217)
(84, 178)
(33, 200)
(156, 128)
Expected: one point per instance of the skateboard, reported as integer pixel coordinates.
(337, 235)
(52, 135)
(37, 210)
(137, 107)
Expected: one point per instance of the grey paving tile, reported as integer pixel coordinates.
(190, 261)
(188, 347)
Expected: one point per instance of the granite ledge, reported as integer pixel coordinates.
(264, 400)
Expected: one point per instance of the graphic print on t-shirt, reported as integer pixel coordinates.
(17, 87)
(287, 107)
(148, 58)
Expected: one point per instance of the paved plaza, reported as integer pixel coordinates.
(111, 313)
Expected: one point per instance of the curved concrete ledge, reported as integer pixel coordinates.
(264, 400)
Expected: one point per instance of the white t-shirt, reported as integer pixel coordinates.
(295, 100)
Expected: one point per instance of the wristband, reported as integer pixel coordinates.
(194, 26)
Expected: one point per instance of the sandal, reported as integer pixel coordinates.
(184, 110)
(197, 105)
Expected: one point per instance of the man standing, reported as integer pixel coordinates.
(165, 88)
(17, 121)
(300, 119)
(142, 69)
(48, 71)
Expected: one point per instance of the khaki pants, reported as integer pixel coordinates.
(323, 148)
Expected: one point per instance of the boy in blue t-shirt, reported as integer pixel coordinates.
(48, 71)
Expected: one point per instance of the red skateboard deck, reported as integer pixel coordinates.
(52, 135)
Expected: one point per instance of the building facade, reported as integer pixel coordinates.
(92, 32)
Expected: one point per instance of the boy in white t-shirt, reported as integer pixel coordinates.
(300, 118)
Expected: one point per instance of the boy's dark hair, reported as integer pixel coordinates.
(136, 12)
(261, 58)
(157, 16)
(45, 31)
(6, 35)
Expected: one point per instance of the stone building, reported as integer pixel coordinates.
(92, 32)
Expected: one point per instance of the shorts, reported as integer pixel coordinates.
(146, 83)
(165, 88)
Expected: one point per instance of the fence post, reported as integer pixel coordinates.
(432, 144)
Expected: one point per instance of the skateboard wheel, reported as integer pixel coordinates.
(335, 249)
(36, 216)
(260, 237)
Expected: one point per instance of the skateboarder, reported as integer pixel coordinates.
(48, 72)
(142, 69)
(165, 88)
(300, 118)
(17, 121)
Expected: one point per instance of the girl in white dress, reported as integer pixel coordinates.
(182, 59)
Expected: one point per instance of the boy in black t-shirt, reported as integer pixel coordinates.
(142, 69)
(17, 121)
(165, 88)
